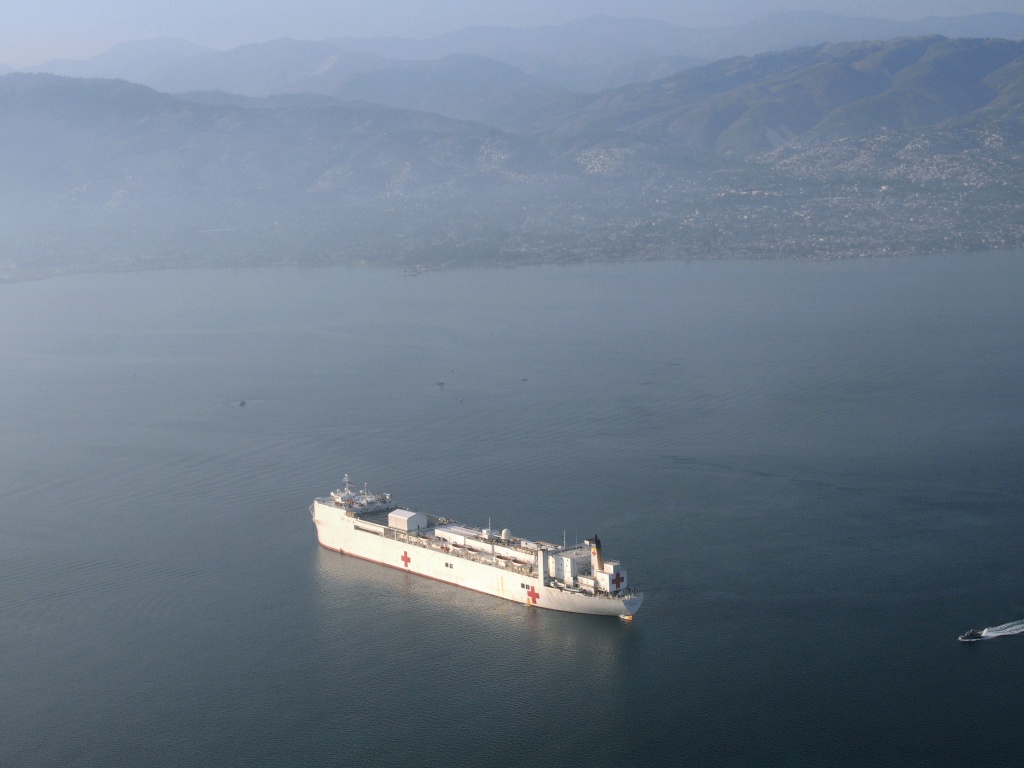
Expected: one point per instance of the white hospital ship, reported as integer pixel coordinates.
(575, 579)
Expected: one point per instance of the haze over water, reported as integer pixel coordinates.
(813, 470)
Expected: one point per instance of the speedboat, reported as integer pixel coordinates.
(971, 635)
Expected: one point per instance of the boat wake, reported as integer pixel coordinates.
(1011, 628)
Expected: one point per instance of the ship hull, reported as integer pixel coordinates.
(517, 582)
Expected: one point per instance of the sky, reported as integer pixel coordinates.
(35, 31)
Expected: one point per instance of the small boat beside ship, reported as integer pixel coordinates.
(373, 527)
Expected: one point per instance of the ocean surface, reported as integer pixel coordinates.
(815, 471)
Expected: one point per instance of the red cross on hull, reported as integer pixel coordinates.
(406, 559)
(532, 595)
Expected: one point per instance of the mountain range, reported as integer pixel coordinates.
(827, 151)
(747, 105)
(588, 55)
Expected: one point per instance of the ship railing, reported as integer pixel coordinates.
(628, 592)
(620, 595)
(486, 559)
(442, 545)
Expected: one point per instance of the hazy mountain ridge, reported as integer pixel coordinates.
(460, 86)
(579, 55)
(134, 60)
(104, 169)
(826, 152)
(261, 69)
(600, 52)
(588, 55)
(796, 29)
(748, 105)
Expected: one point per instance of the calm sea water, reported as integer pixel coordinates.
(815, 471)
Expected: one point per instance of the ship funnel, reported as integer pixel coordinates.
(596, 557)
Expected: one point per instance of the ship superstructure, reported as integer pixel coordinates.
(372, 526)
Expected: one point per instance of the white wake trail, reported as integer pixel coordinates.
(1012, 628)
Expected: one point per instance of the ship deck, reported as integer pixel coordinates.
(429, 541)
(378, 518)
